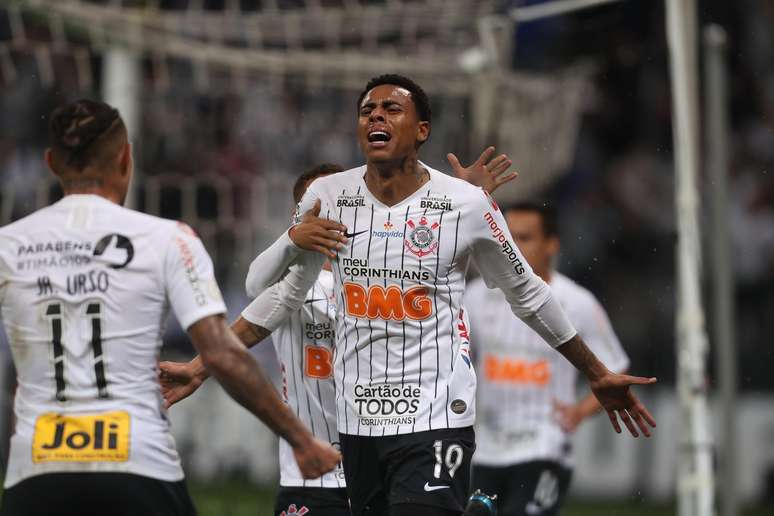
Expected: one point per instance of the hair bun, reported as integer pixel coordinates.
(76, 125)
(71, 141)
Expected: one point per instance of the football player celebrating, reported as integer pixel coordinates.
(405, 391)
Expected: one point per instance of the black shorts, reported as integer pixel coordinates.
(96, 494)
(317, 501)
(425, 468)
(536, 488)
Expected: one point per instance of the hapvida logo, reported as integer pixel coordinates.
(389, 231)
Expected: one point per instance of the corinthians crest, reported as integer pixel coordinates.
(421, 239)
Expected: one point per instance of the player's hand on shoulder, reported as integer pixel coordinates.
(487, 172)
(316, 457)
(178, 381)
(613, 391)
(313, 233)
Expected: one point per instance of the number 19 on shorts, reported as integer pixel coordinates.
(452, 459)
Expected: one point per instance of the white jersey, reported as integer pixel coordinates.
(399, 363)
(305, 347)
(520, 377)
(85, 287)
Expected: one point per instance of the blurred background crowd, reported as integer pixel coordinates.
(615, 202)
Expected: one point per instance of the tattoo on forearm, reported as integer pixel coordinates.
(259, 332)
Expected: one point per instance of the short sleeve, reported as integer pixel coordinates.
(595, 329)
(190, 279)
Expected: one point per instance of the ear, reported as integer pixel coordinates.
(423, 132)
(48, 156)
(126, 159)
(553, 246)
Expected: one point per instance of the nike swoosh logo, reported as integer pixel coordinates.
(314, 300)
(350, 235)
(429, 488)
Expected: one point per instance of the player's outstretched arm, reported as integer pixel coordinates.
(612, 390)
(488, 173)
(227, 359)
(181, 379)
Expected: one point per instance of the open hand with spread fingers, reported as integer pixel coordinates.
(487, 172)
(614, 394)
(313, 233)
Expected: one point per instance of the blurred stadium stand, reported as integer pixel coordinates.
(223, 154)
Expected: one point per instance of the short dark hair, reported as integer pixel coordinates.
(418, 95)
(544, 209)
(84, 132)
(323, 169)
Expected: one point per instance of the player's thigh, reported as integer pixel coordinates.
(86, 494)
(536, 488)
(317, 501)
(431, 469)
(364, 475)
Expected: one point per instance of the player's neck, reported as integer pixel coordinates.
(91, 187)
(392, 182)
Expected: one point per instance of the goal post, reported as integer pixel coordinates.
(695, 481)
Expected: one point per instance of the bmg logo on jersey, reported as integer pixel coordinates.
(516, 371)
(318, 362)
(81, 438)
(389, 304)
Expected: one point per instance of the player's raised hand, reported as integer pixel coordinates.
(614, 394)
(316, 234)
(316, 457)
(178, 381)
(485, 172)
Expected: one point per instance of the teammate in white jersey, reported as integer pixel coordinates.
(305, 345)
(85, 287)
(406, 396)
(527, 407)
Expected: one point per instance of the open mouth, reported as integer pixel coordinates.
(379, 138)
